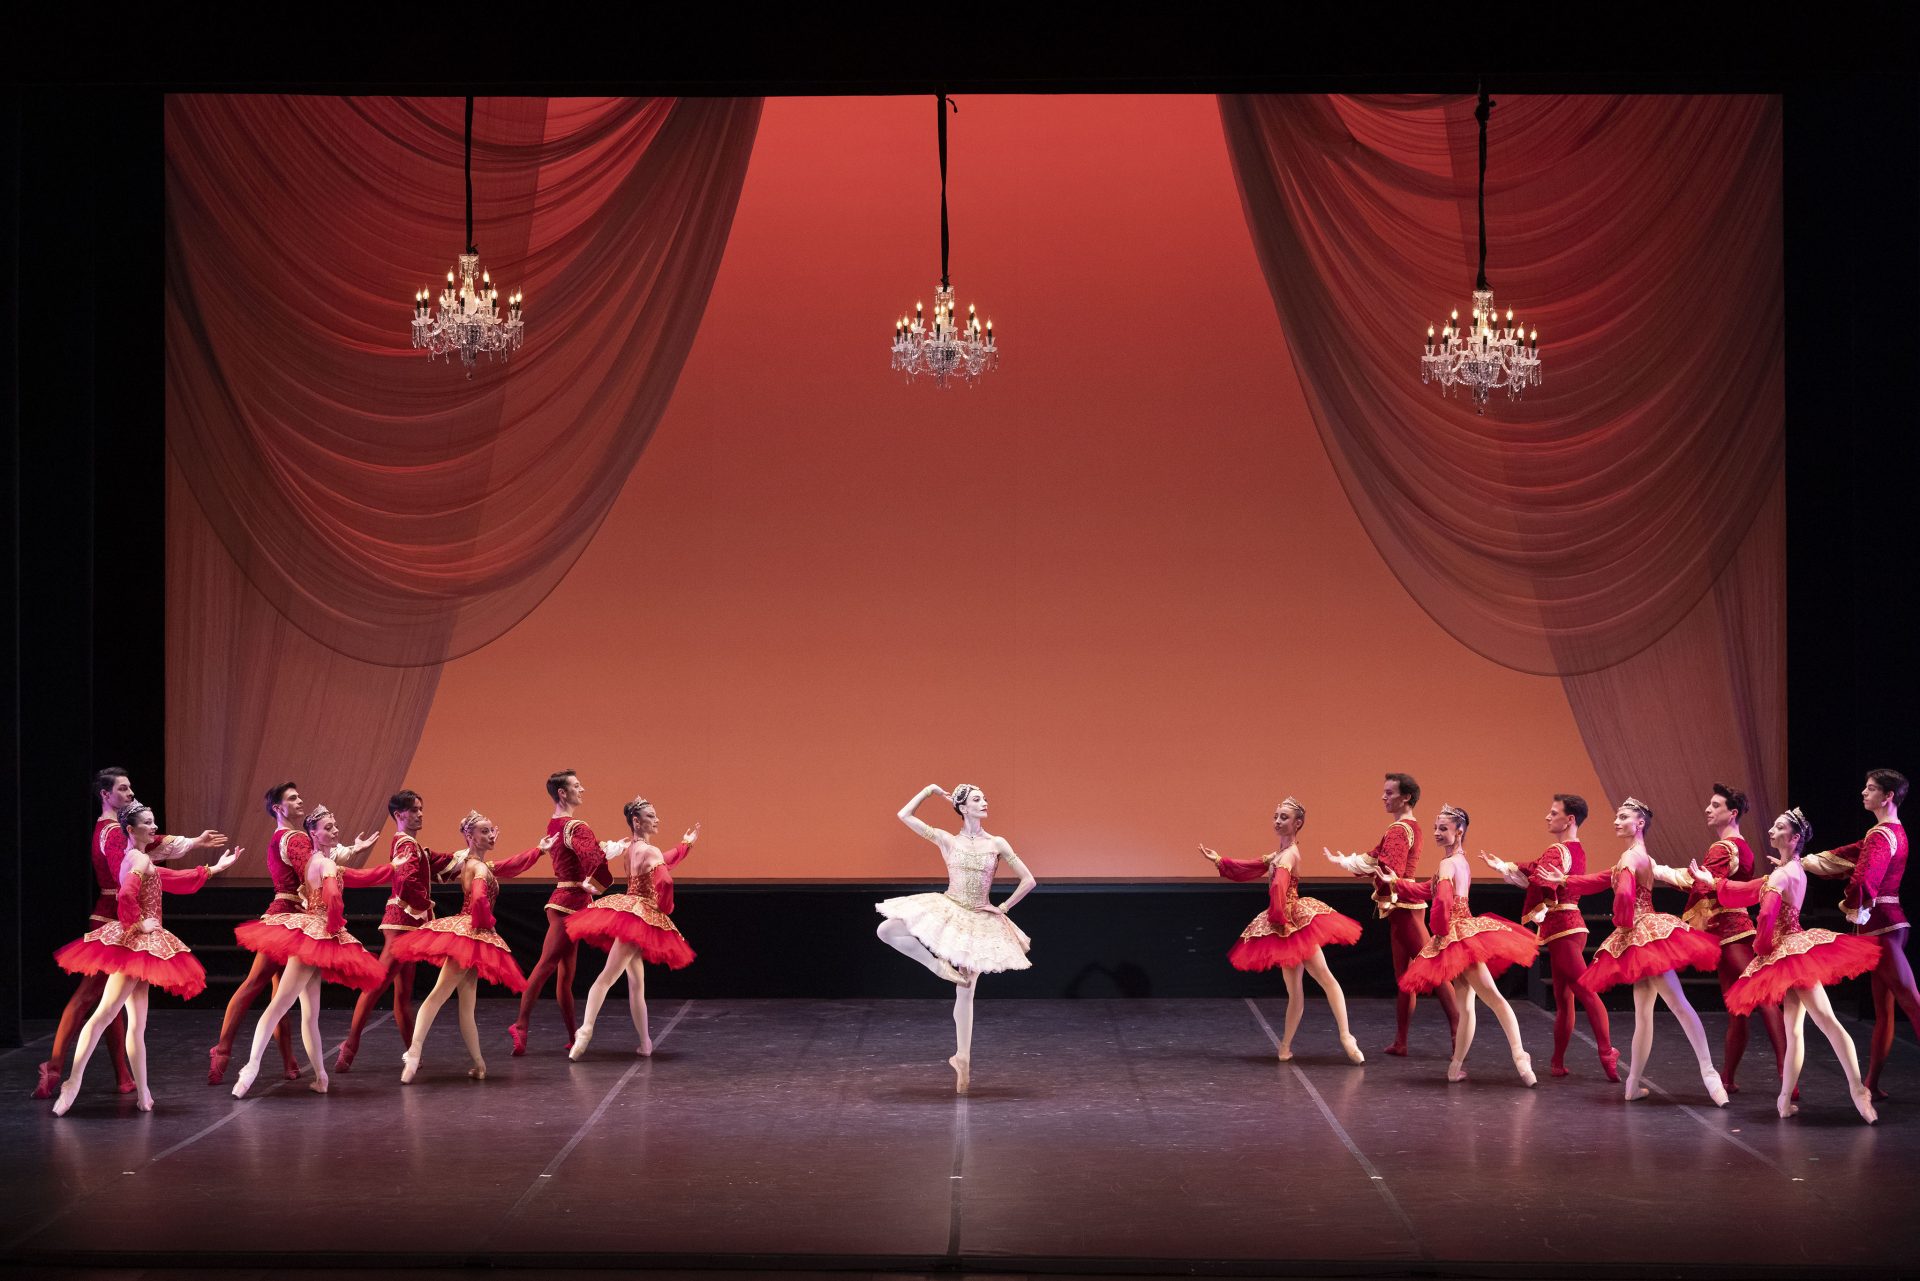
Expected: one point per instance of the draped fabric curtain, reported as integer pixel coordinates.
(1623, 527)
(344, 516)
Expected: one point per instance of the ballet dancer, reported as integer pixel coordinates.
(579, 868)
(114, 792)
(466, 946)
(1290, 934)
(134, 951)
(411, 869)
(634, 927)
(1872, 867)
(1398, 852)
(309, 945)
(1466, 951)
(961, 934)
(1793, 963)
(1561, 929)
(1645, 949)
(1729, 858)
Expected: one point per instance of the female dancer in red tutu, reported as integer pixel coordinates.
(466, 946)
(1645, 949)
(1290, 934)
(1792, 964)
(134, 951)
(961, 934)
(310, 944)
(1466, 951)
(633, 927)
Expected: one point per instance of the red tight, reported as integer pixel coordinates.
(400, 976)
(557, 955)
(1892, 989)
(1408, 934)
(85, 998)
(1734, 958)
(264, 977)
(1568, 963)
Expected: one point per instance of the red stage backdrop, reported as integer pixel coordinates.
(1119, 585)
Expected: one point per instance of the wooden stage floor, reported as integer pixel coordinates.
(1126, 1137)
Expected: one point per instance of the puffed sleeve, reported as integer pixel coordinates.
(175, 880)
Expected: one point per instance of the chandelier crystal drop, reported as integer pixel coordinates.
(949, 346)
(1489, 351)
(471, 319)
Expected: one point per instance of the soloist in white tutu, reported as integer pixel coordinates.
(957, 926)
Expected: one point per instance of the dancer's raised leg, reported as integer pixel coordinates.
(1668, 986)
(897, 936)
(86, 996)
(113, 998)
(1337, 1001)
(292, 981)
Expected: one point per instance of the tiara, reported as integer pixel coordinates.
(1295, 803)
(1454, 814)
(1801, 823)
(473, 819)
(1632, 804)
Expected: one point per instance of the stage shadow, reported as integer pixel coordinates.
(934, 1094)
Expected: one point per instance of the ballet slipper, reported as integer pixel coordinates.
(409, 1064)
(1523, 1064)
(1352, 1047)
(144, 1102)
(127, 1085)
(321, 1082)
(1398, 1048)
(581, 1040)
(478, 1072)
(1715, 1091)
(1286, 1054)
(291, 1071)
(1610, 1064)
(1557, 1068)
(962, 1069)
(1785, 1107)
(217, 1060)
(1456, 1071)
(343, 1062)
(1863, 1104)
(245, 1081)
(49, 1083)
(65, 1101)
(519, 1036)
(645, 1049)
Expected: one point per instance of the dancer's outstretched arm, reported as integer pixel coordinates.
(1519, 875)
(515, 864)
(1730, 893)
(922, 830)
(1235, 869)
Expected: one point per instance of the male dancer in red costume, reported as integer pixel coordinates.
(1398, 852)
(114, 791)
(411, 870)
(1728, 858)
(1873, 866)
(577, 861)
(287, 852)
(1562, 927)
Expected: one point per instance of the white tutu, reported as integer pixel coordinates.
(967, 938)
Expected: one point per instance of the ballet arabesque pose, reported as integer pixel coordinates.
(310, 945)
(1466, 951)
(961, 934)
(134, 951)
(634, 927)
(1646, 949)
(1793, 963)
(1290, 934)
(466, 946)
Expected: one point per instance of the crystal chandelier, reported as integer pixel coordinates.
(949, 347)
(470, 320)
(1489, 351)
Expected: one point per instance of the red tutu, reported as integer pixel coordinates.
(448, 939)
(1491, 940)
(1683, 949)
(346, 963)
(1803, 959)
(1269, 951)
(179, 974)
(605, 926)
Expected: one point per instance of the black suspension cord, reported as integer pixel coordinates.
(474, 249)
(1480, 113)
(940, 109)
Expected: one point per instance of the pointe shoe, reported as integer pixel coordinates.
(409, 1064)
(1523, 1064)
(478, 1072)
(1286, 1054)
(1398, 1048)
(1635, 1091)
(1456, 1072)
(321, 1083)
(962, 1069)
(1610, 1064)
(1352, 1047)
(127, 1085)
(950, 973)
(581, 1040)
(1785, 1107)
(1715, 1091)
(1863, 1104)
(49, 1083)
(519, 1037)
(144, 1102)
(245, 1081)
(65, 1101)
(645, 1050)
(343, 1061)
(217, 1060)
(1557, 1069)
(290, 1071)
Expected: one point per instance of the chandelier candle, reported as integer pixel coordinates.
(939, 351)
